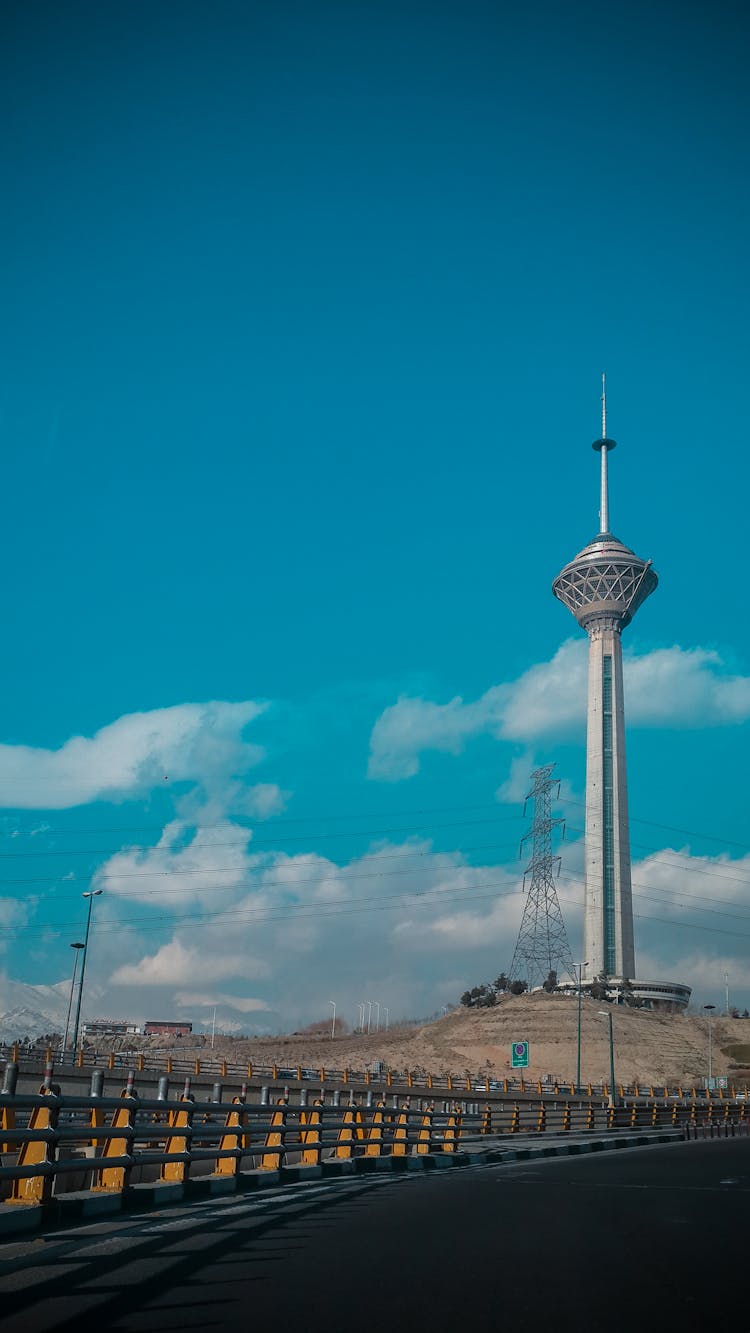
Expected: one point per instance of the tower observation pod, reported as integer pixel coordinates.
(603, 587)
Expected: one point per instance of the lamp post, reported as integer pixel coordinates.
(580, 967)
(387, 1012)
(333, 1023)
(213, 1028)
(726, 992)
(377, 1016)
(369, 1016)
(91, 894)
(77, 947)
(708, 1010)
(361, 1007)
(607, 1013)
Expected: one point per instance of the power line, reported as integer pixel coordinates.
(261, 842)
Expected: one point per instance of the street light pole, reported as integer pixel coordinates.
(91, 895)
(369, 1016)
(213, 1028)
(361, 1007)
(708, 1010)
(333, 1024)
(726, 992)
(607, 1013)
(580, 967)
(77, 947)
(387, 1012)
(377, 1016)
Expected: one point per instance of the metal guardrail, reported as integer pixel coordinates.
(110, 1139)
(157, 1062)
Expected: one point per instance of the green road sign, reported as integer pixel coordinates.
(519, 1055)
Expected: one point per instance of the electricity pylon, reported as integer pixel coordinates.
(542, 945)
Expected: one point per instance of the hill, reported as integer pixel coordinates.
(649, 1047)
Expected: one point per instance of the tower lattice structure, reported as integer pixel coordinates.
(542, 945)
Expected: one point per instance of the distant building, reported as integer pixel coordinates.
(110, 1027)
(161, 1028)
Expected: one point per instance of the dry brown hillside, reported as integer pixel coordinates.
(649, 1047)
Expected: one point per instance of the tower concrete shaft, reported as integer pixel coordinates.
(603, 587)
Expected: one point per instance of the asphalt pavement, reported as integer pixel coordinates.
(648, 1238)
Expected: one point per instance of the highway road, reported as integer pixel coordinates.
(648, 1239)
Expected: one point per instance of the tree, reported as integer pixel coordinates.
(502, 982)
(745, 1013)
(551, 983)
(518, 987)
(489, 1000)
(466, 999)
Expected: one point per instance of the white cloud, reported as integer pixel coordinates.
(670, 687)
(128, 758)
(243, 1004)
(176, 963)
(188, 866)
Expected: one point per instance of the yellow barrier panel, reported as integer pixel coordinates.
(409, 1079)
(114, 1178)
(610, 1116)
(345, 1076)
(169, 1064)
(322, 1074)
(275, 1139)
(486, 1120)
(590, 1117)
(541, 1119)
(250, 1070)
(37, 1189)
(654, 1115)
(452, 1131)
(233, 1138)
(298, 1073)
(79, 1059)
(515, 1120)
(197, 1066)
(7, 1121)
(96, 1121)
(180, 1119)
(141, 1063)
(345, 1142)
(401, 1132)
(467, 1084)
(310, 1135)
(111, 1060)
(566, 1116)
(389, 1079)
(375, 1136)
(633, 1116)
(429, 1081)
(223, 1069)
(449, 1083)
(424, 1141)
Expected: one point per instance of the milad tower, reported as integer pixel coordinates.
(603, 587)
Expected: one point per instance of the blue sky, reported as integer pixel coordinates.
(305, 308)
